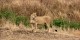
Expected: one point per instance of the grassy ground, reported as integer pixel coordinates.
(17, 19)
(66, 23)
(14, 14)
(11, 32)
(9, 15)
(65, 13)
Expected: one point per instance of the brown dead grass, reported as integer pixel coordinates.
(59, 8)
(69, 9)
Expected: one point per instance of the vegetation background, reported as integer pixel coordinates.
(65, 13)
(15, 17)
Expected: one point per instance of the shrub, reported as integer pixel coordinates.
(22, 19)
(11, 16)
(65, 23)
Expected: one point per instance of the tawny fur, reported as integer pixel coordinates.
(35, 20)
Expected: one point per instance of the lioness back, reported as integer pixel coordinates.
(43, 19)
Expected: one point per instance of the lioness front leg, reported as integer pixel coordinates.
(35, 27)
(32, 26)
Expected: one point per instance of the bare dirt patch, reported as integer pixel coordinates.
(7, 34)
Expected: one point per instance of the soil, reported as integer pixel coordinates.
(7, 34)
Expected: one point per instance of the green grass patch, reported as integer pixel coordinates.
(65, 24)
(22, 19)
(11, 16)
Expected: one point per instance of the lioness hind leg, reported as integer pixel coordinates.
(48, 26)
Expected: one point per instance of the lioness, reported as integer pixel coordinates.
(35, 20)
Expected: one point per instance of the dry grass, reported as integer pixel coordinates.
(59, 8)
(68, 9)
